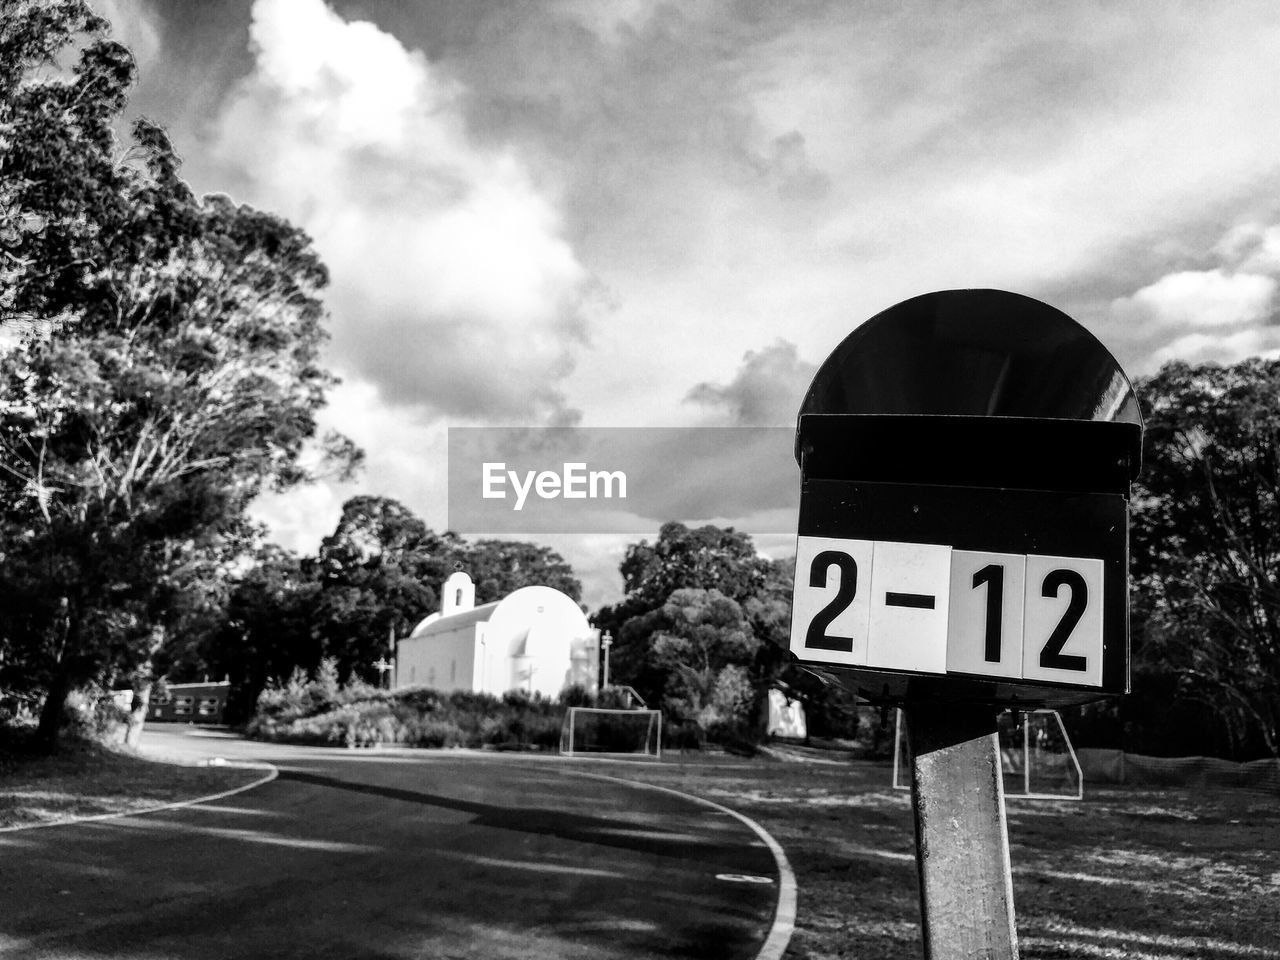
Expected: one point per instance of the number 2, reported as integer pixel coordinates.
(817, 636)
(1051, 655)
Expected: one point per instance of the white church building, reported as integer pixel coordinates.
(535, 639)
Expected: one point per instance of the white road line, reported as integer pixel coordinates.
(272, 773)
(784, 916)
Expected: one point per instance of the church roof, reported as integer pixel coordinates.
(436, 625)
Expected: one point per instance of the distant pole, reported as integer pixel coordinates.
(391, 652)
(962, 843)
(1026, 753)
(384, 666)
(606, 642)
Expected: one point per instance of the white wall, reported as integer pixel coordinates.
(532, 639)
(442, 661)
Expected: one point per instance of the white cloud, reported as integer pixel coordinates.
(298, 518)
(1199, 299)
(1221, 315)
(1254, 247)
(404, 459)
(453, 287)
(609, 19)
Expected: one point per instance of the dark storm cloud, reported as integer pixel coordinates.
(766, 390)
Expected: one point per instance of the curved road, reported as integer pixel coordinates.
(353, 854)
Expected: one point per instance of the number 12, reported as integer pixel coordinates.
(1051, 656)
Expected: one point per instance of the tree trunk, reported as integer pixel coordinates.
(51, 714)
(761, 712)
(55, 700)
(138, 714)
(143, 683)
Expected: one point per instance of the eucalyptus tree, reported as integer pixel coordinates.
(160, 368)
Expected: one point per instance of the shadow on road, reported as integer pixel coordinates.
(727, 855)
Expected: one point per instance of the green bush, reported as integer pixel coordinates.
(314, 711)
(543, 730)
(93, 715)
(683, 735)
(495, 731)
(464, 701)
(418, 699)
(428, 732)
(576, 695)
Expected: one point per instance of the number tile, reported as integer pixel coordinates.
(1062, 639)
(910, 585)
(986, 614)
(831, 600)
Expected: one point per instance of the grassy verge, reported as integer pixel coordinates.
(87, 779)
(1148, 874)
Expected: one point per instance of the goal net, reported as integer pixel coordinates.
(601, 731)
(1036, 756)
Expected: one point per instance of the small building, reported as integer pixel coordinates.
(535, 639)
(786, 716)
(184, 702)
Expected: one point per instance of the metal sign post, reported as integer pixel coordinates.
(962, 845)
(965, 462)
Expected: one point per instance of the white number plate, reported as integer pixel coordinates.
(929, 608)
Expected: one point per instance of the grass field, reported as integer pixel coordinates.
(1148, 874)
(85, 779)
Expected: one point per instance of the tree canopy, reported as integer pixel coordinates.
(704, 618)
(1206, 549)
(702, 641)
(160, 366)
(377, 574)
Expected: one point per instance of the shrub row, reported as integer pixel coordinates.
(319, 711)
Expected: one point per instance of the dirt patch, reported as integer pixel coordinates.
(1142, 873)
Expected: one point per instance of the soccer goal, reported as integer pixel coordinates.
(601, 731)
(1036, 757)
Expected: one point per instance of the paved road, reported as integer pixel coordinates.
(349, 854)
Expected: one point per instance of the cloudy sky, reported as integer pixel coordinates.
(622, 213)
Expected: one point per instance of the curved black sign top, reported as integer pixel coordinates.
(985, 353)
